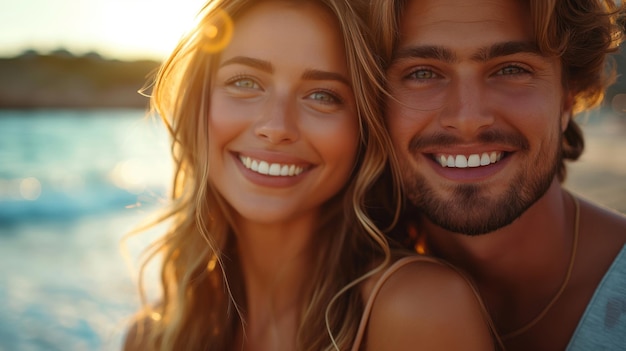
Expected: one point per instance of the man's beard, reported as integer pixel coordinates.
(469, 211)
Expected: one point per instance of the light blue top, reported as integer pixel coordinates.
(603, 325)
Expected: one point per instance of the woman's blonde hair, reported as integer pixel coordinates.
(202, 304)
(580, 32)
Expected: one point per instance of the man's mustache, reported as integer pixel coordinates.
(442, 140)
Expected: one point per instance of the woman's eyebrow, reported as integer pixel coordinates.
(315, 74)
(249, 61)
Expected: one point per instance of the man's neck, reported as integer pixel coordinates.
(518, 267)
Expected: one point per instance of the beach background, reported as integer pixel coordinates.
(72, 184)
(81, 165)
(600, 174)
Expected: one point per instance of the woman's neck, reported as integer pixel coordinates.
(276, 263)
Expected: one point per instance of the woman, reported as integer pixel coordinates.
(272, 109)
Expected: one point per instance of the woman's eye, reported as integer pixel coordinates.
(245, 83)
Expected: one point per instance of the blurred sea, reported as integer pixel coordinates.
(72, 183)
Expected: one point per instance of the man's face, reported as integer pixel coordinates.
(477, 112)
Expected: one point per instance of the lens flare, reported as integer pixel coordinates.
(211, 32)
(218, 32)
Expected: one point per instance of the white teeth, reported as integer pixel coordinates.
(493, 157)
(274, 169)
(264, 167)
(271, 169)
(449, 161)
(473, 160)
(484, 159)
(460, 161)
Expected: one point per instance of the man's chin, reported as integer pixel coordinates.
(472, 226)
(471, 212)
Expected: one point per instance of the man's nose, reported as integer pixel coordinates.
(467, 112)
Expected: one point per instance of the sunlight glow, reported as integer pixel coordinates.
(115, 28)
(216, 39)
(130, 175)
(150, 26)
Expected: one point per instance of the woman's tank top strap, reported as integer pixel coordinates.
(391, 270)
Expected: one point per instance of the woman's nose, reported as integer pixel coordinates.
(278, 122)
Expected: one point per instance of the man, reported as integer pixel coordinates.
(482, 95)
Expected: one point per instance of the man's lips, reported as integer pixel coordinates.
(465, 167)
(486, 149)
(468, 160)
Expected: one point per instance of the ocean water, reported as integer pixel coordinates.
(72, 184)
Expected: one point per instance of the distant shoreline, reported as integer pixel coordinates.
(63, 81)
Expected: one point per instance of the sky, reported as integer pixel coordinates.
(121, 29)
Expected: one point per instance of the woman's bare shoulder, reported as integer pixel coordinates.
(427, 302)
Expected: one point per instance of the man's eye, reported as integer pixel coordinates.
(423, 74)
(511, 70)
(324, 97)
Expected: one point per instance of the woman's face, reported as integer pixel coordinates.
(283, 128)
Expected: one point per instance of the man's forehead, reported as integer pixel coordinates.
(464, 23)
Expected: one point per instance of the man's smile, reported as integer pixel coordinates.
(471, 160)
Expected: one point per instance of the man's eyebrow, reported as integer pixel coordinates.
(505, 49)
(314, 74)
(483, 54)
(426, 52)
(249, 61)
